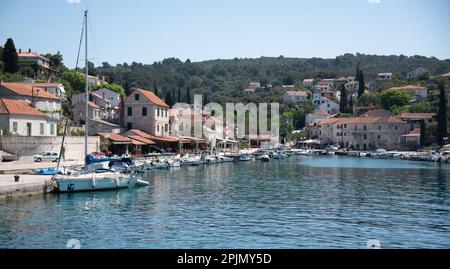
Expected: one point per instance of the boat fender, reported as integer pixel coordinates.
(117, 181)
(93, 182)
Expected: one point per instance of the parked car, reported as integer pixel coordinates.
(46, 156)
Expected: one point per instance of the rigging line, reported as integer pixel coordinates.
(76, 64)
(97, 57)
(79, 46)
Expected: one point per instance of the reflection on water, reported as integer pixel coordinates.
(301, 202)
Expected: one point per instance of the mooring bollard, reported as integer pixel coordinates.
(16, 178)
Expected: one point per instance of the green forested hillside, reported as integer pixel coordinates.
(223, 80)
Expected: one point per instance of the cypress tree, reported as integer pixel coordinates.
(10, 57)
(205, 99)
(357, 73)
(361, 86)
(169, 100)
(343, 106)
(174, 96)
(442, 116)
(155, 86)
(188, 96)
(179, 96)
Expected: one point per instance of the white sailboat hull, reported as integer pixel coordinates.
(93, 182)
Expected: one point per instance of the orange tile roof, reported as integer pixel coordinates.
(28, 89)
(139, 133)
(142, 139)
(361, 120)
(18, 107)
(115, 137)
(31, 54)
(51, 84)
(152, 97)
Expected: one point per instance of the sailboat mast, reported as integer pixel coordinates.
(86, 87)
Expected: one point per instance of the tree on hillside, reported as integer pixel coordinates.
(75, 79)
(111, 86)
(392, 99)
(155, 88)
(357, 73)
(188, 96)
(362, 85)
(442, 116)
(10, 57)
(56, 61)
(179, 95)
(343, 105)
(205, 99)
(169, 100)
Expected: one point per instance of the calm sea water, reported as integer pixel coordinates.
(301, 202)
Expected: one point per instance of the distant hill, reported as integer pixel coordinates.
(223, 80)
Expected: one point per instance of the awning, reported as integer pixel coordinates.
(189, 139)
(220, 140)
(166, 139)
(146, 141)
(116, 138)
(311, 141)
(137, 143)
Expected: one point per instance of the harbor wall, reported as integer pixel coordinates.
(29, 145)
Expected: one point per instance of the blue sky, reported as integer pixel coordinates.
(149, 30)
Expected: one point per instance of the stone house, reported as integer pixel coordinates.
(147, 112)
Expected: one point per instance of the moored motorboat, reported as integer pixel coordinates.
(244, 158)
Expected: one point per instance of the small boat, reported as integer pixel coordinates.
(192, 161)
(279, 155)
(94, 181)
(244, 158)
(225, 159)
(306, 152)
(173, 163)
(434, 157)
(212, 159)
(160, 165)
(48, 171)
(264, 158)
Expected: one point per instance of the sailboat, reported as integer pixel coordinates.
(89, 179)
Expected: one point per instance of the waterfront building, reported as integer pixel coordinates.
(96, 123)
(295, 97)
(18, 117)
(108, 110)
(318, 115)
(323, 101)
(418, 92)
(362, 133)
(108, 95)
(38, 97)
(146, 111)
(57, 89)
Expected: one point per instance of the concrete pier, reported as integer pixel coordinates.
(28, 185)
